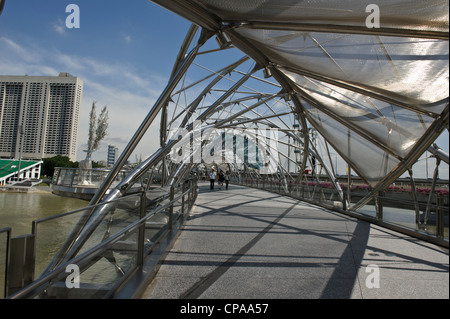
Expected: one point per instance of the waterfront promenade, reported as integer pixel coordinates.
(247, 243)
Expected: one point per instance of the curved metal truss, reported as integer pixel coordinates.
(294, 105)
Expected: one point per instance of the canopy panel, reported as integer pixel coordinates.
(400, 14)
(393, 67)
(377, 93)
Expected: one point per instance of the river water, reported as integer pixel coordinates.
(19, 210)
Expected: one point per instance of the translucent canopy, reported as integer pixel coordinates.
(371, 79)
(397, 14)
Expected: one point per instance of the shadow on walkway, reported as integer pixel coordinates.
(248, 243)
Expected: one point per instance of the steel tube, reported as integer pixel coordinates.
(93, 218)
(145, 125)
(310, 27)
(422, 145)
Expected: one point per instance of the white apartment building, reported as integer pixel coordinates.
(39, 116)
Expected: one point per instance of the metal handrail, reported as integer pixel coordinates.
(45, 280)
(75, 173)
(35, 223)
(437, 238)
(45, 219)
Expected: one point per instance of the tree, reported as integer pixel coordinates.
(49, 164)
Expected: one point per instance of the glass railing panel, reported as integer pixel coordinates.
(113, 217)
(66, 177)
(108, 254)
(99, 273)
(445, 215)
(51, 234)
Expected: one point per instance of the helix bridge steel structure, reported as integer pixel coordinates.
(307, 99)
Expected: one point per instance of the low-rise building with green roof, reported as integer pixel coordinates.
(9, 170)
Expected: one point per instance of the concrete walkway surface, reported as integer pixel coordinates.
(244, 243)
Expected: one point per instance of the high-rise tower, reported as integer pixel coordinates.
(39, 116)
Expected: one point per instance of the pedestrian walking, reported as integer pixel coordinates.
(221, 179)
(227, 179)
(212, 178)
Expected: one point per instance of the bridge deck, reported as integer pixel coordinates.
(247, 243)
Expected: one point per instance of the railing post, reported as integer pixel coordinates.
(141, 233)
(196, 188)
(172, 193)
(439, 216)
(72, 176)
(344, 199)
(189, 195)
(191, 192)
(58, 174)
(379, 205)
(183, 189)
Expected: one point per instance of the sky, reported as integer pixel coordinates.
(123, 53)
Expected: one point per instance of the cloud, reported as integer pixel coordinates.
(19, 60)
(128, 93)
(59, 27)
(16, 51)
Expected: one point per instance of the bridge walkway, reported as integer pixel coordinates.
(247, 243)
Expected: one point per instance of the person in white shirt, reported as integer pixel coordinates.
(212, 178)
(227, 179)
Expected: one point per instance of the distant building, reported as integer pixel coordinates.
(39, 116)
(113, 153)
